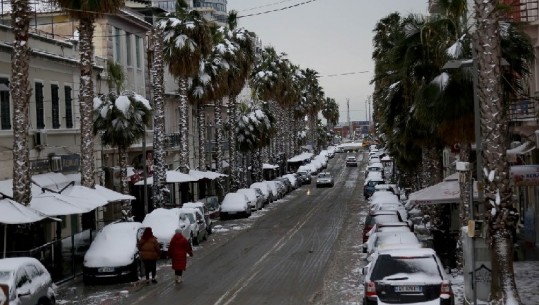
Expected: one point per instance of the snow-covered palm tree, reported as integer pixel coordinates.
(187, 41)
(20, 94)
(158, 89)
(87, 12)
(242, 62)
(255, 126)
(122, 120)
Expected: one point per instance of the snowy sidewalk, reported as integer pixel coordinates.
(526, 277)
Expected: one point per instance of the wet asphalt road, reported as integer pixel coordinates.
(303, 249)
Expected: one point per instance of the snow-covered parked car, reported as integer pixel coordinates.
(164, 223)
(198, 224)
(256, 199)
(27, 280)
(113, 253)
(204, 210)
(235, 204)
(406, 276)
(266, 190)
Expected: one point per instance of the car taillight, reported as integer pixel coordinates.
(445, 288)
(371, 289)
(366, 230)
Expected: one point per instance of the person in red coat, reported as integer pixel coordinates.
(177, 251)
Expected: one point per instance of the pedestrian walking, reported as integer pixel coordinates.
(149, 252)
(177, 251)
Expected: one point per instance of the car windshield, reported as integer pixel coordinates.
(324, 176)
(389, 268)
(190, 217)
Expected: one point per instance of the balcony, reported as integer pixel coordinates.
(522, 110)
(172, 140)
(525, 11)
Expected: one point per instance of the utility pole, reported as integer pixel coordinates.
(348, 117)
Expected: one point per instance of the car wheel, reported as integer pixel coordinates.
(87, 280)
(195, 240)
(133, 276)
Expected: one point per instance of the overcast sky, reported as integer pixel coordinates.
(329, 36)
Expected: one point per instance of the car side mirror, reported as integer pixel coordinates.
(364, 270)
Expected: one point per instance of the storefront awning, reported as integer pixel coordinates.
(301, 157)
(205, 174)
(172, 177)
(447, 191)
(521, 149)
(269, 166)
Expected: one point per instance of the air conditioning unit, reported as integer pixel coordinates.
(56, 163)
(40, 138)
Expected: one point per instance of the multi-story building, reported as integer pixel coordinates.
(523, 135)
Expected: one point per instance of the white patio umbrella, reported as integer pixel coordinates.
(12, 212)
(53, 204)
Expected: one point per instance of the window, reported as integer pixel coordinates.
(40, 111)
(128, 50)
(55, 106)
(68, 107)
(117, 46)
(5, 115)
(138, 47)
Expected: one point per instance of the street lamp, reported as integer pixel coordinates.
(464, 166)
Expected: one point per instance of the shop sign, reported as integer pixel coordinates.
(70, 163)
(525, 175)
(39, 166)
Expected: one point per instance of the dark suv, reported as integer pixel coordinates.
(399, 276)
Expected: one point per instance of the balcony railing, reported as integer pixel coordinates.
(522, 10)
(172, 139)
(522, 110)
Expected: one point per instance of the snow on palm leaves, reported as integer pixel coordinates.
(122, 119)
(253, 129)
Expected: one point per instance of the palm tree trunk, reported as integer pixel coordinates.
(233, 162)
(86, 96)
(201, 137)
(184, 128)
(126, 205)
(159, 167)
(465, 181)
(20, 94)
(497, 191)
(219, 131)
(426, 179)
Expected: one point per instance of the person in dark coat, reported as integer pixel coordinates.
(149, 252)
(177, 251)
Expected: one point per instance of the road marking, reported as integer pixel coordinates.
(234, 291)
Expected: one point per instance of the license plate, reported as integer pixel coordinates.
(408, 289)
(105, 269)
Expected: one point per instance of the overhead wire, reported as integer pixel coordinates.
(278, 9)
